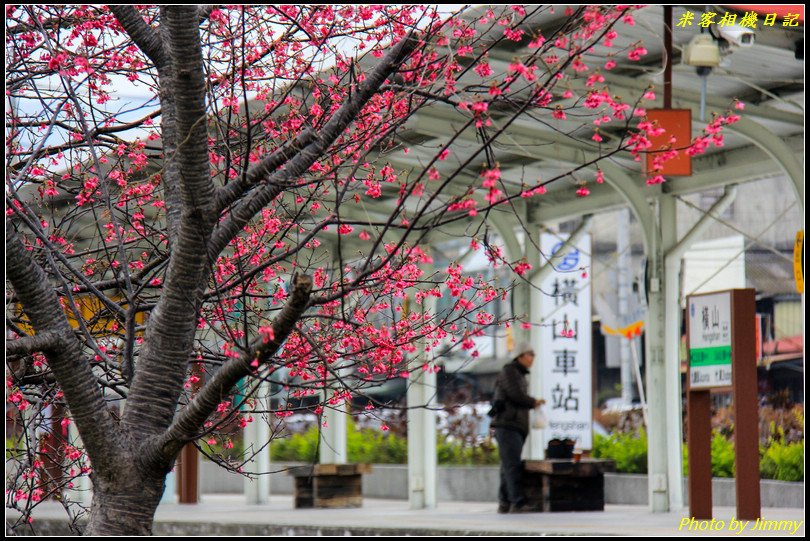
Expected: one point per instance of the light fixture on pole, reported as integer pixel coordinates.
(702, 52)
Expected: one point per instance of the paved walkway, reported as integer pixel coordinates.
(229, 515)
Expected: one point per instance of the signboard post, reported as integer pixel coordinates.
(565, 359)
(722, 354)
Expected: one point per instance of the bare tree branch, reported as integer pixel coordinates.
(229, 193)
(245, 211)
(38, 298)
(186, 426)
(147, 38)
(44, 341)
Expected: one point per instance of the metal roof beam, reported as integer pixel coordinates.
(739, 165)
(691, 99)
(746, 164)
(776, 149)
(681, 97)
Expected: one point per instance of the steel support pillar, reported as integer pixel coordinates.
(422, 461)
(674, 251)
(672, 341)
(656, 373)
(188, 475)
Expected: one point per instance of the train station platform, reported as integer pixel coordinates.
(229, 515)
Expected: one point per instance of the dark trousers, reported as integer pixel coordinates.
(510, 446)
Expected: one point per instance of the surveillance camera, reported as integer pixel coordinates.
(737, 35)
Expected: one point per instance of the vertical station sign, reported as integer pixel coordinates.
(710, 340)
(565, 355)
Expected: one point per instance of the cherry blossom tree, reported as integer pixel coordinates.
(247, 217)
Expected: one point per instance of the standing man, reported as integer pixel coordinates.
(511, 423)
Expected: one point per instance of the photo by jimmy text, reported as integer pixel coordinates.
(735, 526)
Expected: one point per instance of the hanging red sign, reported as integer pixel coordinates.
(676, 137)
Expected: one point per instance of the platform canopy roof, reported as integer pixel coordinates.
(768, 78)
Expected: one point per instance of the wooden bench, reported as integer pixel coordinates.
(329, 485)
(566, 485)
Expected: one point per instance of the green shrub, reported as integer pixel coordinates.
(627, 449)
(15, 448)
(363, 446)
(455, 453)
(297, 447)
(783, 461)
(374, 447)
(722, 456)
(448, 452)
(780, 460)
(234, 449)
(485, 453)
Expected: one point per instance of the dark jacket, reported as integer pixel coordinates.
(512, 400)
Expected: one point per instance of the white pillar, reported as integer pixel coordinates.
(422, 403)
(672, 333)
(332, 449)
(421, 438)
(534, 449)
(82, 490)
(170, 490)
(623, 279)
(257, 440)
(657, 448)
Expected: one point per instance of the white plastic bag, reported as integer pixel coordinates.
(539, 420)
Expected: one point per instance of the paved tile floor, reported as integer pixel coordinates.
(230, 515)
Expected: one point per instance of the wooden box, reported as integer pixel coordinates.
(329, 485)
(566, 485)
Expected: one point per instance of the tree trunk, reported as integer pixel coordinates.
(125, 506)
